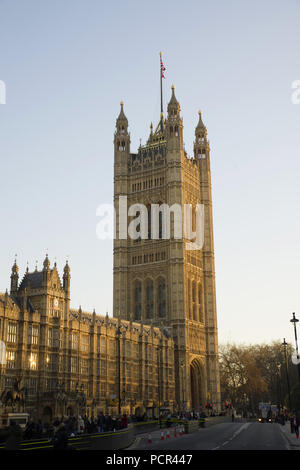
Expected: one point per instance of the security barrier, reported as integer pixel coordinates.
(100, 441)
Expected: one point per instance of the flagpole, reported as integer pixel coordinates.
(161, 93)
(161, 96)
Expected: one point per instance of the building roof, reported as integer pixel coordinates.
(33, 280)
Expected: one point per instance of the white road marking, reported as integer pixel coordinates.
(234, 435)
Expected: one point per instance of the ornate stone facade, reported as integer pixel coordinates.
(72, 362)
(158, 280)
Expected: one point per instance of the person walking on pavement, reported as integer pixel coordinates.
(292, 420)
(60, 439)
(14, 437)
(297, 424)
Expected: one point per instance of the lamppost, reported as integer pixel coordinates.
(279, 392)
(118, 335)
(295, 321)
(182, 380)
(285, 344)
(158, 379)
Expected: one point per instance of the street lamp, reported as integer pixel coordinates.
(279, 391)
(284, 344)
(182, 380)
(118, 335)
(158, 379)
(295, 321)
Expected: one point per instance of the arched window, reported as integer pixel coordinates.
(149, 299)
(194, 312)
(161, 296)
(149, 222)
(138, 300)
(190, 300)
(199, 294)
(194, 291)
(199, 299)
(160, 224)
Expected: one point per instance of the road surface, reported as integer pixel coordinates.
(223, 436)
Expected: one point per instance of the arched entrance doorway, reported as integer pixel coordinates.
(196, 385)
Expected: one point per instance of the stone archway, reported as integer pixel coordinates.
(196, 377)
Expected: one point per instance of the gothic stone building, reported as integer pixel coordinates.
(157, 279)
(70, 362)
(160, 349)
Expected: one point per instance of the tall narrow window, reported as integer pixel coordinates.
(149, 299)
(35, 335)
(149, 222)
(160, 226)
(161, 298)
(12, 333)
(138, 300)
(32, 361)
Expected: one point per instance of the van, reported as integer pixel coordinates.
(19, 418)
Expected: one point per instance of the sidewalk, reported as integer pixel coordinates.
(142, 440)
(291, 437)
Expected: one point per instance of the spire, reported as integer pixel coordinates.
(66, 278)
(122, 121)
(200, 129)
(173, 106)
(46, 263)
(14, 278)
(15, 268)
(67, 268)
(201, 145)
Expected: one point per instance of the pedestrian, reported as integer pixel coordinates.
(60, 439)
(100, 422)
(124, 421)
(80, 426)
(297, 424)
(14, 437)
(292, 423)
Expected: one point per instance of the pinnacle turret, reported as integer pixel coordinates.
(122, 121)
(173, 106)
(46, 263)
(201, 145)
(14, 278)
(200, 130)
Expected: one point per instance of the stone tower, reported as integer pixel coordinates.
(158, 278)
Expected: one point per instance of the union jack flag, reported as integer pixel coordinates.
(162, 68)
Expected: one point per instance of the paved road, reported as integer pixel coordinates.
(224, 436)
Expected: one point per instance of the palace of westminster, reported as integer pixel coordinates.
(159, 351)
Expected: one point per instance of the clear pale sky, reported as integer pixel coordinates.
(68, 64)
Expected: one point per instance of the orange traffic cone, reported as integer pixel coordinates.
(168, 434)
(162, 435)
(149, 439)
(175, 433)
